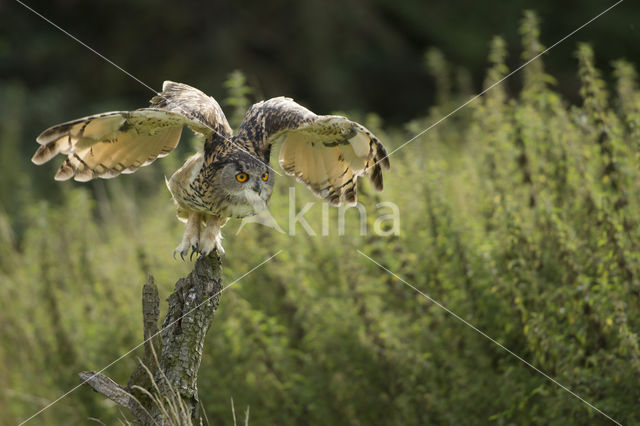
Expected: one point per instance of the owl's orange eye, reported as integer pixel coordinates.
(265, 176)
(242, 177)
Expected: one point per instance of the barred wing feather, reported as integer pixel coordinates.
(106, 145)
(327, 153)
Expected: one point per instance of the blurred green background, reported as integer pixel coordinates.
(520, 213)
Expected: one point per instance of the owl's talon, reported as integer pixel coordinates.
(221, 253)
(220, 249)
(189, 244)
(195, 248)
(181, 252)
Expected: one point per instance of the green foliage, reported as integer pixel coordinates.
(238, 98)
(520, 215)
(439, 69)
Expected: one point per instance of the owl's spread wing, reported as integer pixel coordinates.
(326, 152)
(105, 145)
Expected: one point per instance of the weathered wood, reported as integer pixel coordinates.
(103, 384)
(146, 369)
(172, 355)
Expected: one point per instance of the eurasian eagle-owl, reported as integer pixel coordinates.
(231, 176)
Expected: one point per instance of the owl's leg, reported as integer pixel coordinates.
(211, 237)
(191, 236)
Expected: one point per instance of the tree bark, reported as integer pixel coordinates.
(163, 389)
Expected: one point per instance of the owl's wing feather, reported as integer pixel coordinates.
(203, 112)
(106, 145)
(326, 152)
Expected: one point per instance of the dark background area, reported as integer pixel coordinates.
(329, 55)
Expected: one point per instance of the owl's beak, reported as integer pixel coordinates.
(257, 186)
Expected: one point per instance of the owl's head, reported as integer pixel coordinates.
(246, 180)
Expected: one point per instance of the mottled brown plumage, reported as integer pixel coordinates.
(327, 153)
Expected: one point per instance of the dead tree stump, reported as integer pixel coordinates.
(163, 389)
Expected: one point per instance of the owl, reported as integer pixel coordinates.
(231, 175)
